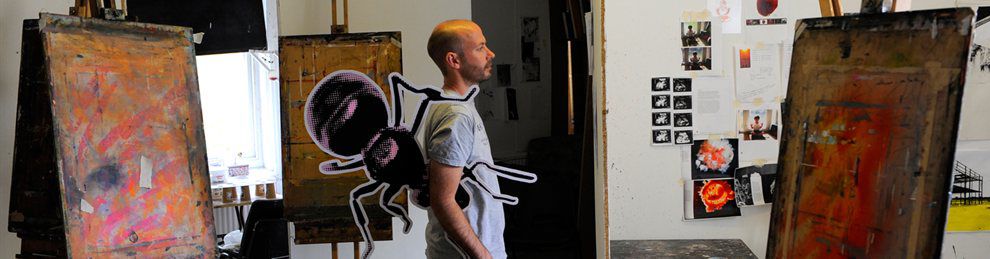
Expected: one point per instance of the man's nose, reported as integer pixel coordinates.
(491, 54)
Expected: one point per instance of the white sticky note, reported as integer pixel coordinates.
(756, 186)
(84, 206)
(146, 172)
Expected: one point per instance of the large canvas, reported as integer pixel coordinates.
(871, 118)
(318, 204)
(128, 139)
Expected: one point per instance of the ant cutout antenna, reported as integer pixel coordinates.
(348, 117)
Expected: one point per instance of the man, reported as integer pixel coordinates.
(453, 137)
(757, 128)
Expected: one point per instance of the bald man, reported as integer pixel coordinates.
(454, 137)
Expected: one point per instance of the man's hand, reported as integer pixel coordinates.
(444, 181)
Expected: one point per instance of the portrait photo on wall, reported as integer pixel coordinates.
(714, 199)
(661, 101)
(754, 184)
(661, 137)
(696, 34)
(682, 85)
(683, 137)
(682, 102)
(683, 119)
(661, 119)
(660, 84)
(714, 158)
(759, 124)
(694, 59)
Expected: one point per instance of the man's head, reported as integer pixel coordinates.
(757, 118)
(459, 49)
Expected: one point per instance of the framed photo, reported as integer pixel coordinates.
(661, 137)
(682, 102)
(682, 85)
(683, 120)
(683, 137)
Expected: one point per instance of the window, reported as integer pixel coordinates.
(240, 112)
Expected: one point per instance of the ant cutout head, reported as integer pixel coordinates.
(348, 116)
(344, 112)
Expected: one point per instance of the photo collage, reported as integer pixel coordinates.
(671, 116)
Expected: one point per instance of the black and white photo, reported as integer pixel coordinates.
(682, 85)
(683, 120)
(682, 137)
(682, 102)
(661, 101)
(661, 136)
(661, 118)
(661, 84)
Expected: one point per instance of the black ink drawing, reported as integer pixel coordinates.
(661, 101)
(348, 117)
(683, 120)
(682, 85)
(754, 184)
(661, 118)
(660, 84)
(661, 136)
(682, 102)
(682, 137)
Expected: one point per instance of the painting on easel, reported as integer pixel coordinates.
(870, 131)
(128, 138)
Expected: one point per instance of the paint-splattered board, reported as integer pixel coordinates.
(872, 111)
(316, 203)
(128, 136)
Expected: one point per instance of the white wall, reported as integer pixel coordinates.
(415, 19)
(501, 22)
(645, 195)
(12, 12)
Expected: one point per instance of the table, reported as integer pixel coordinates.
(680, 248)
(237, 204)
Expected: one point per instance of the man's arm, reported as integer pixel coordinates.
(444, 181)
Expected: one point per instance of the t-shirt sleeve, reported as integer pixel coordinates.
(452, 140)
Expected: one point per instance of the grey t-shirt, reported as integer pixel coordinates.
(455, 135)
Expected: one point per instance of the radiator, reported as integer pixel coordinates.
(225, 219)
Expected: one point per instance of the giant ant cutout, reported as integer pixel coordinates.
(348, 117)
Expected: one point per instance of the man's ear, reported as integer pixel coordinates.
(452, 60)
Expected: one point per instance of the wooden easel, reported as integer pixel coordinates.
(104, 9)
(336, 28)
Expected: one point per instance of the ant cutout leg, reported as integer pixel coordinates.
(360, 216)
(509, 173)
(503, 198)
(334, 167)
(387, 198)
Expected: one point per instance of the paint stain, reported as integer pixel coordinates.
(105, 177)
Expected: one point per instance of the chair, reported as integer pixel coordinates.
(266, 232)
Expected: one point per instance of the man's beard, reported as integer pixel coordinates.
(479, 75)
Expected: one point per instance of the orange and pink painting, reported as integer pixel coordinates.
(129, 139)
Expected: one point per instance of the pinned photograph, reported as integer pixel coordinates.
(682, 102)
(661, 101)
(661, 119)
(504, 74)
(714, 158)
(714, 199)
(694, 59)
(683, 119)
(759, 124)
(695, 34)
(745, 59)
(683, 137)
(754, 184)
(682, 85)
(661, 136)
(661, 84)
